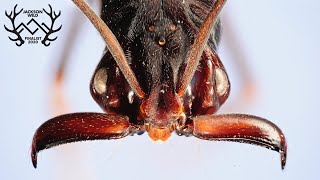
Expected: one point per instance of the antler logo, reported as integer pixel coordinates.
(45, 29)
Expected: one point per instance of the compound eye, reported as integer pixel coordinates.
(222, 82)
(151, 28)
(100, 80)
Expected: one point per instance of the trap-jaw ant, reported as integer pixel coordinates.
(160, 73)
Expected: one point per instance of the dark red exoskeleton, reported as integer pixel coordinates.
(160, 73)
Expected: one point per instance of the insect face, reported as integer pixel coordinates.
(160, 73)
